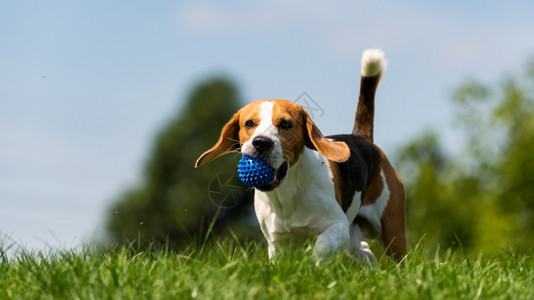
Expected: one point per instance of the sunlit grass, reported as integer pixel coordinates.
(227, 270)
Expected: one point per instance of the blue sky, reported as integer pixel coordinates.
(85, 85)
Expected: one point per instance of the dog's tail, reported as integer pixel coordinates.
(373, 66)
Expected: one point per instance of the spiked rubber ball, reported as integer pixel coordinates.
(254, 172)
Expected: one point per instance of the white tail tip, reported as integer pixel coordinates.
(373, 62)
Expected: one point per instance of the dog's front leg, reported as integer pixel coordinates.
(272, 251)
(335, 239)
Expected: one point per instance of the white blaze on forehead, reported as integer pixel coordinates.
(266, 127)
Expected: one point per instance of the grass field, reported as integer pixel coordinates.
(230, 271)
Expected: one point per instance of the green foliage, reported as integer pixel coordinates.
(484, 197)
(230, 271)
(172, 200)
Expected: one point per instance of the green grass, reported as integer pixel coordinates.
(230, 271)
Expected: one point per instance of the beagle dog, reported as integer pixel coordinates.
(338, 189)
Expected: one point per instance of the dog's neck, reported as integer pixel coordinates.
(310, 173)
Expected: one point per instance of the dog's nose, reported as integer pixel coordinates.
(262, 143)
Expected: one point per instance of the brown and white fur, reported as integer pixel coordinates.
(339, 189)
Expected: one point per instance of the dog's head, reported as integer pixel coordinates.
(275, 131)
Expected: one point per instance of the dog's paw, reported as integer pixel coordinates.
(365, 254)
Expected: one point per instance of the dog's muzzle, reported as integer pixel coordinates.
(263, 148)
(262, 144)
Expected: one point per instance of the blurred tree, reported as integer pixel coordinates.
(485, 196)
(433, 188)
(172, 201)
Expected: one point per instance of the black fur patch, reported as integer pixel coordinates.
(356, 173)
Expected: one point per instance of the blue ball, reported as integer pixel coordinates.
(254, 172)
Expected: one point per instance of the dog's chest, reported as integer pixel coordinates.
(304, 206)
(295, 223)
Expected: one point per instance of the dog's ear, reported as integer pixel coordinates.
(314, 139)
(228, 142)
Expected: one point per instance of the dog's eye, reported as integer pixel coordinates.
(285, 125)
(249, 124)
